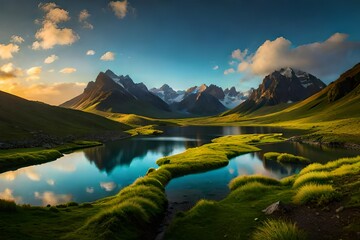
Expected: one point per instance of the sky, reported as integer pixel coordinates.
(49, 51)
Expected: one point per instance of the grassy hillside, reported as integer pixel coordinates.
(21, 119)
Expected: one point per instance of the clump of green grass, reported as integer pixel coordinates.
(288, 181)
(271, 156)
(312, 167)
(315, 193)
(161, 174)
(149, 181)
(285, 158)
(289, 158)
(215, 154)
(312, 177)
(242, 180)
(27, 158)
(150, 192)
(150, 170)
(278, 230)
(346, 169)
(7, 206)
(145, 130)
(330, 165)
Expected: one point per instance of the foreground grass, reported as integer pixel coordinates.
(278, 230)
(239, 215)
(134, 213)
(15, 158)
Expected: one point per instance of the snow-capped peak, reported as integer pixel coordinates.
(287, 72)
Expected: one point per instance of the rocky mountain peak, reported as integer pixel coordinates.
(282, 86)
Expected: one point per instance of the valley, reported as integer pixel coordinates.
(180, 120)
(158, 172)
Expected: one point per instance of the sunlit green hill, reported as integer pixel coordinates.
(21, 119)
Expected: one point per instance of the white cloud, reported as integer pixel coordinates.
(83, 18)
(47, 6)
(57, 15)
(229, 71)
(90, 52)
(83, 15)
(6, 51)
(232, 63)
(52, 198)
(51, 182)
(108, 56)
(16, 39)
(51, 59)
(89, 190)
(239, 55)
(108, 186)
(33, 175)
(216, 67)
(7, 194)
(34, 73)
(326, 58)
(68, 70)
(50, 34)
(119, 8)
(9, 71)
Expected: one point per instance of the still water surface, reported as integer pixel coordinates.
(93, 173)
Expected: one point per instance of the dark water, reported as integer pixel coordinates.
(98, 172)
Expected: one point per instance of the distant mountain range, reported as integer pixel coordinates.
(286, 85)
(119, 94)
(200, 100)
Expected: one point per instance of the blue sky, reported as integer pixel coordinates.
(181, 43)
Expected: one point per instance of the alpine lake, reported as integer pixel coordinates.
(90, 174)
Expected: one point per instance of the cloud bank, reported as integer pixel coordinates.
(323, 59)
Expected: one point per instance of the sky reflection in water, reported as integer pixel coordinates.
(102, 171)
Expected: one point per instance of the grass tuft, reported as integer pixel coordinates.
(330, 165)
(242, 180)
(271, 156)
(285, 158)
(312, 177)
(278, 230)
(315, 193)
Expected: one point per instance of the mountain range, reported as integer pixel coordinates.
(286, 85)
(118, 94)
(200, 100)
(113, 93)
